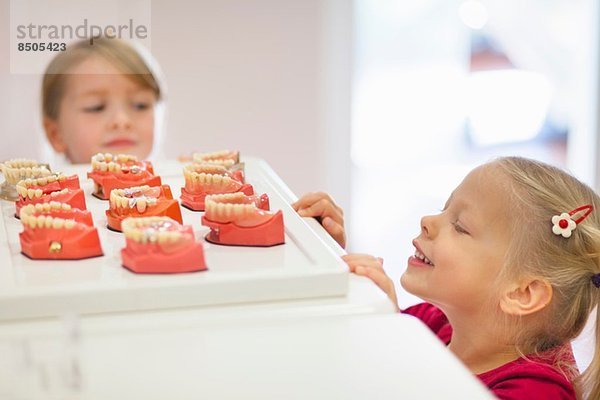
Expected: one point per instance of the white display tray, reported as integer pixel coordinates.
(304, 267)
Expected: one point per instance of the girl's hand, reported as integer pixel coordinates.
(372, 268)
(329, 214)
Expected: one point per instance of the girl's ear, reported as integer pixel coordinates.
(54, 136)
(528, 297)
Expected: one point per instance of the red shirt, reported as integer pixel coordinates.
(532, 378)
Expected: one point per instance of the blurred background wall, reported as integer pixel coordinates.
(268, 77)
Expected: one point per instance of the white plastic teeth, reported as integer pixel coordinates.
(30, 216)
(133, 197)
(228, 207)
(224, 157)
(148, 230)
(205, 167)
(107, 162)
(422, 257)
(208, 182)
(29, 188)
(19, 169)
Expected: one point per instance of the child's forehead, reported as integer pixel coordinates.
(97, 84)
(483, 188)
(94, 65)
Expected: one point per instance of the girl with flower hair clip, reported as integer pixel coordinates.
(510, 272)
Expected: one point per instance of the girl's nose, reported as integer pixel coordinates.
(429, 226)
(121, 120)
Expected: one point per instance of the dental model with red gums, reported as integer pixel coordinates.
(226, 158)
(120, 171)
(57, 231)
(240, 220)
(141, 201)
(204, 179)
(55, 187)
(160, 245)
(17, 170)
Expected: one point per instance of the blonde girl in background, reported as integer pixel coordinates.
(100, 97)
(510, 272)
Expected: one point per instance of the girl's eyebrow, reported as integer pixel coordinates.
(92, 92)
(448, 201)
(464, 204)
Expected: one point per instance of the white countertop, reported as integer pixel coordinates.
(181, 356)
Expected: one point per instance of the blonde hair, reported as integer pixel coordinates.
(538, 192)
(115, 51)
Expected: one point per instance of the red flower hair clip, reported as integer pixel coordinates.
(564, 224)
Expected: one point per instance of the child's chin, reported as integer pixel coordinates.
(406, 283)
(413, 285)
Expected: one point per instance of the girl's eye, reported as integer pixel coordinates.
(141, 106)
(459, 228)
(95, 108)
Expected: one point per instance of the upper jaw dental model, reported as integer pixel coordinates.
(57, 231)
(17, 170)
(226, 158)
(54, 187)
(160, 245)
(204, 179)
(141, 201)
(240, 220)
(120, 171)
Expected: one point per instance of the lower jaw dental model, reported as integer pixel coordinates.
(55, 187)
(141, 201)
(204, 179)
(57, 231)
(17, 170)
(239, 220)
(118, 172)
(160, 245)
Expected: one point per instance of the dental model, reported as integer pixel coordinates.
(240, 220)
(16, 170)
(54, 187)
(141, 201)
(160, 245)
(120, 171)
(225, 158)
(57, 231)
(204, 179)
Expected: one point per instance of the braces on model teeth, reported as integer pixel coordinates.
(204, 179)
(422, 257)
(141, 201)
(58, 231)
(240, 220)
(160, 245)
(17, 170)
(54, 187)
(120, 171)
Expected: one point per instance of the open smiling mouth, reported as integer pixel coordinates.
(420, 256)
(118, 172)
(141, 201)
(54, 187)
(240, 220)
(58, 231)
(160, 245)
(205, 178)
